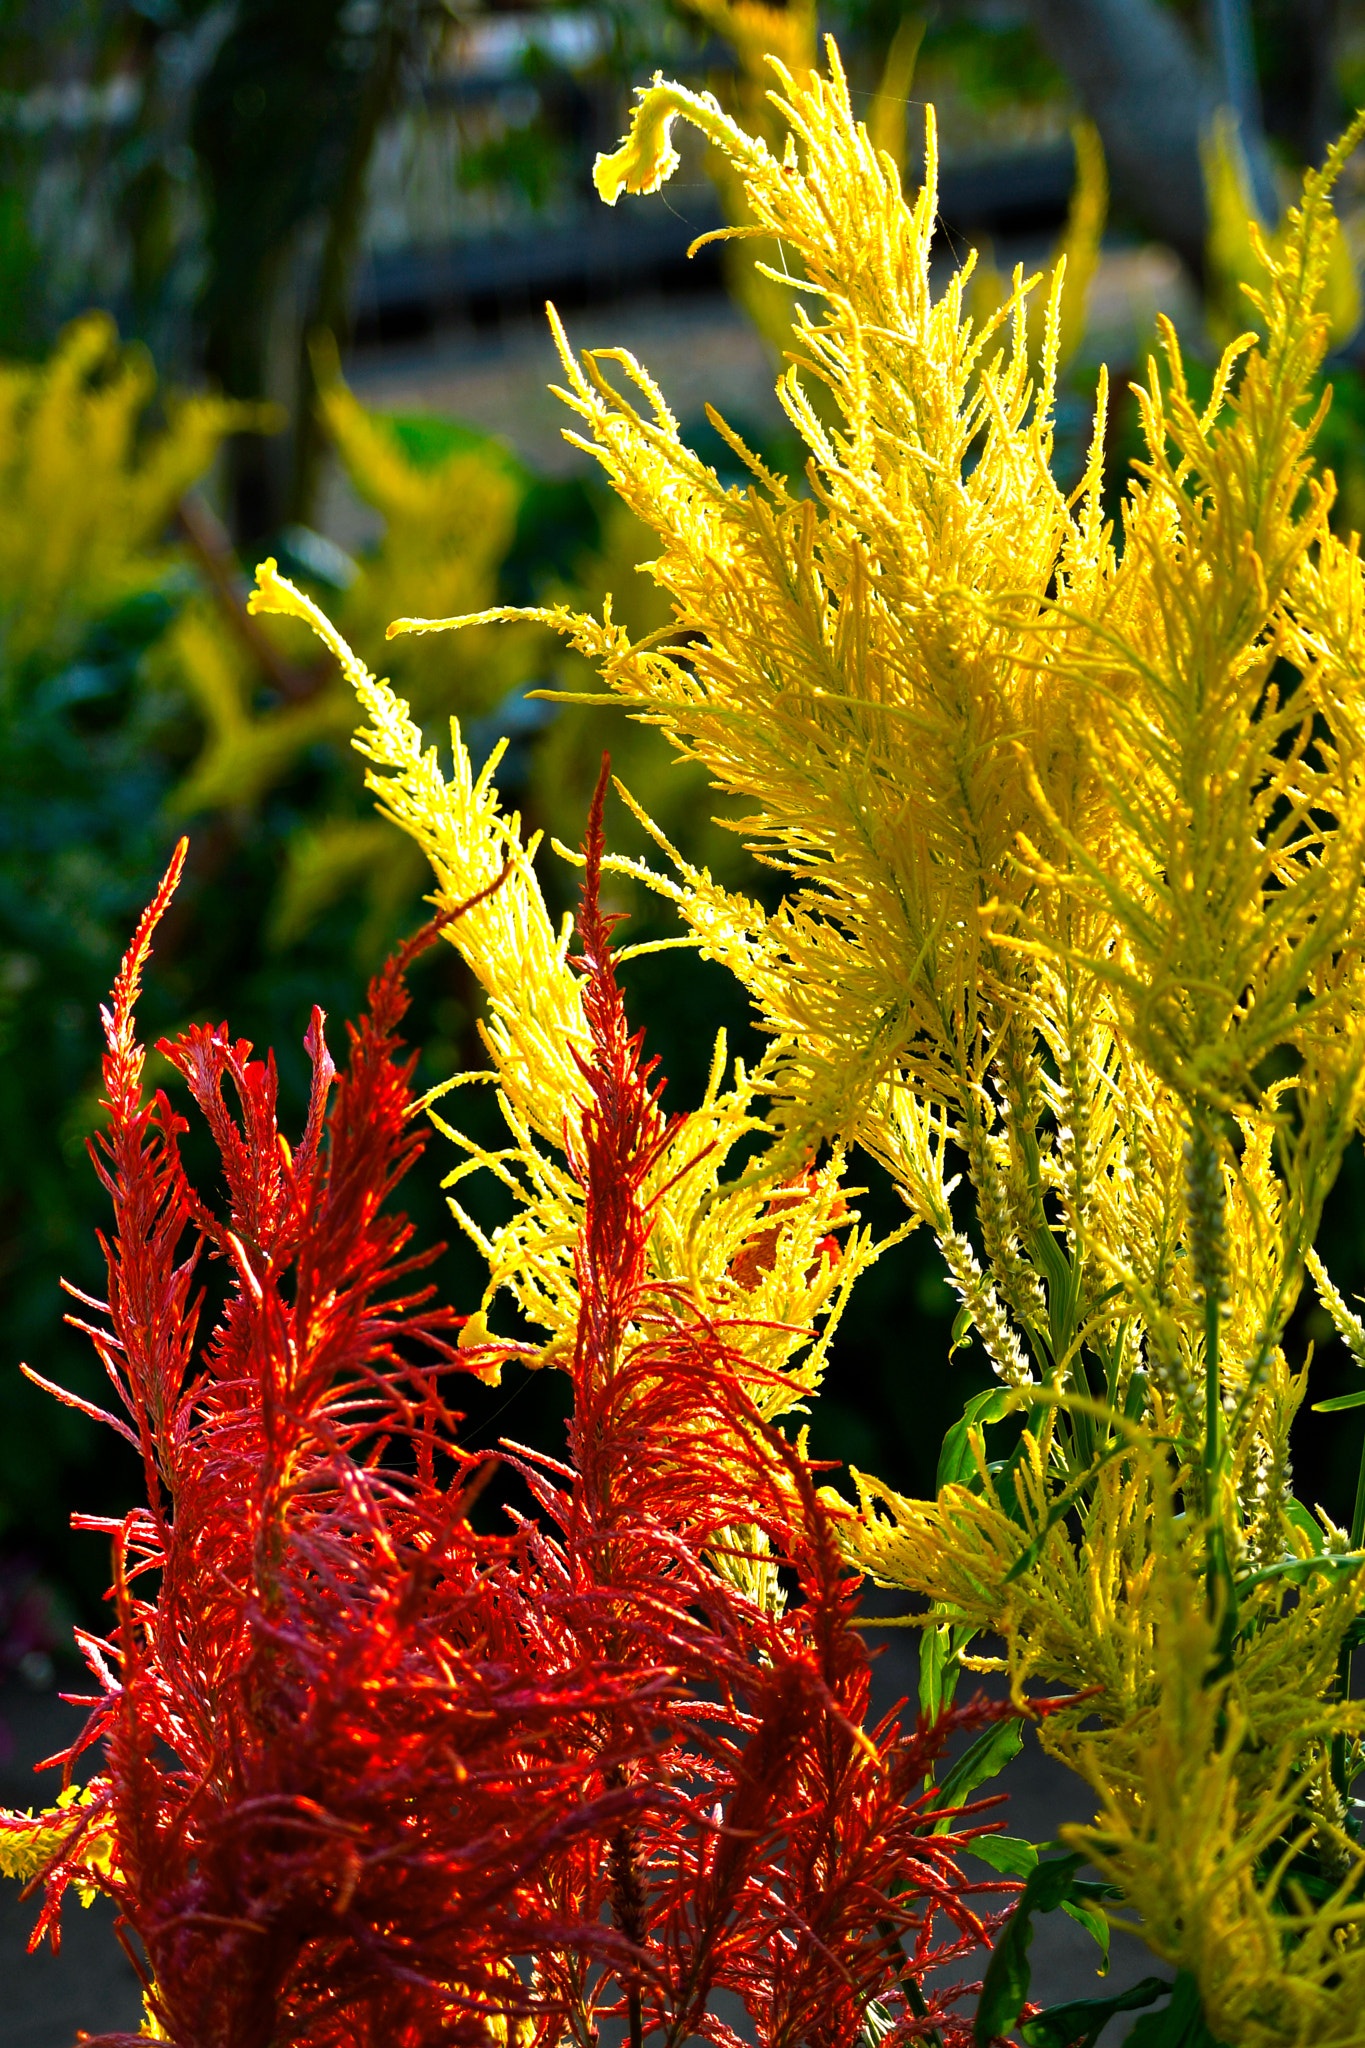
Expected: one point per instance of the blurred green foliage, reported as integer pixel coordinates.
(134, 702)
(129, 697)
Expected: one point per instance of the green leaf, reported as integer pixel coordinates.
(1180, 2025)
(1299, 1569)
(1079, 2023)
(1339, 1402)
(956, 1466)
(1136, 1403)
(933, 1652)
(1006, 1853)
(1005, 1987)
(940, 1666)
(987, 1756)
(1008, 1973)
(1053, 1261)
(1297, 1515)
(962, 1331)
(1095, 1925)
(1063, 1288)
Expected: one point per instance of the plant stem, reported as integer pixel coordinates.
(628, 1911)
(1339, 1778)
(914, 1997)
(1207, 1242)
(1204, 1195)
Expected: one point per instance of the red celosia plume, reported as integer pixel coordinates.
(376, 1779)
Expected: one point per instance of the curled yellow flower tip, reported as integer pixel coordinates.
(647, 158)
(475, 1336)
(275, 593)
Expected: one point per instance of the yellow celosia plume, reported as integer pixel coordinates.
(1235, 245)
(705, 1232)
(1071, 824)
(1072, 827)
(87, 491)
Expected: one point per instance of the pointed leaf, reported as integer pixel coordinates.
(1008, 1854)
(1340, 1402)
(1051, 1884)
(1008, 1974)
(987, 1757)
(1181, 2024)
(1079, 2023)
(956, 1466)
(933, 1657)
(1095, 1925)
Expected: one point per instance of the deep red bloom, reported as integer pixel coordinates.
(376, 1779)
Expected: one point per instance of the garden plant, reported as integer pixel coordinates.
(1070, 818)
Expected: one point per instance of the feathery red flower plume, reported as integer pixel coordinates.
(370, 1777)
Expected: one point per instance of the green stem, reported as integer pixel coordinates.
(914, 1997)
(1207, 1236)
(1339, 1778)
(1204, 1189)
(1213, 1393)
(1206, 1231)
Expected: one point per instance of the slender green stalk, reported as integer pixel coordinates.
(914, 1997)
(1207, 1240)
(1207, 1225)
(1339, 1777)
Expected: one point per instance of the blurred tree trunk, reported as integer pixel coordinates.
(1304, 105)
(1151, 94)
(330, 308)
(284, 126)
